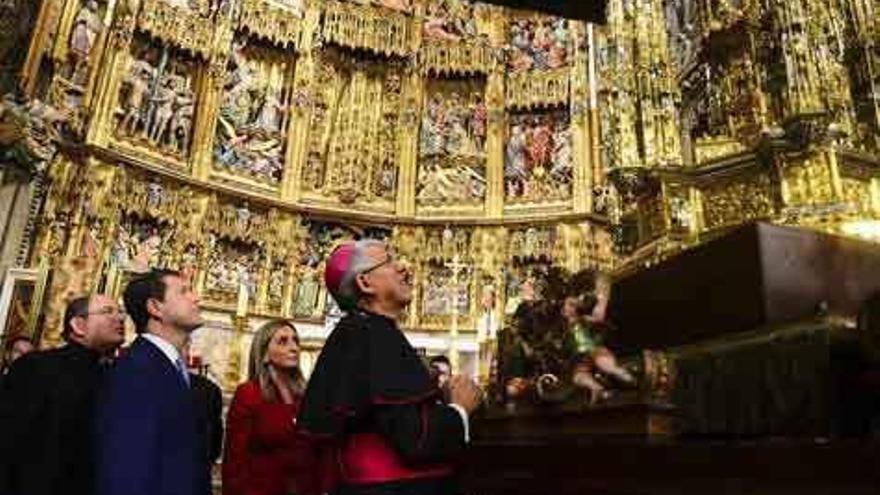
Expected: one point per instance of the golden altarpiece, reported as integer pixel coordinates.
(239, 140)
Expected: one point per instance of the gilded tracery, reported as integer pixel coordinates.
(240, 141)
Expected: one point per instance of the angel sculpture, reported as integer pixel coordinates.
(552, 346)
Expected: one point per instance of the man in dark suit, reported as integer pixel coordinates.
(146, 431)
(208, 403)
(46, 446)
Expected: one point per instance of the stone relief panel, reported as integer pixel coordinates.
(80, 54)
(445, 276)
(308, 291)
(538, 43)
(252, 123)
(522, 282)
(729, 202)
(451, 20)
(530, 254)
(538, 163)
(141, 243)
(88, 24)
(276, 295)
(232, 266)
(452, 139)
(157, 99)
(445, 292)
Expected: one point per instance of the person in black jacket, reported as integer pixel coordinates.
(46, 445)
(208, 412)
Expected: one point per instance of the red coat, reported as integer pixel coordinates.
(264, 454)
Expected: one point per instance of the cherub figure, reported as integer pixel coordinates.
(553, 344)
(584, 317)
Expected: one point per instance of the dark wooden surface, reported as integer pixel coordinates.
(755, 276)
(582, 467)
(621, 418)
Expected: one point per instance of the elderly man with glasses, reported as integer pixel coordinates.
(371, 399)
(47, 407)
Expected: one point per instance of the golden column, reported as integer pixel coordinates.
(50, 10)
(81, 201)
(208, 95)
(495, 136)
(496, 128)
(407, 171)
(301, 106)
(593, 108)
(109, 75)
(582, 200)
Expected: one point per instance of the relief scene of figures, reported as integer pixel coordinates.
(250, 136)
(452, 142)
(445, 295)
(232, 265)
(139, 243)
(451, 20)
(538, 44)
(157, 102)
(87, 26)
(538, 160)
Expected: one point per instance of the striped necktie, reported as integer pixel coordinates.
(183, 371)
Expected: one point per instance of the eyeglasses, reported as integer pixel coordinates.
(388, 260)
(107, 312)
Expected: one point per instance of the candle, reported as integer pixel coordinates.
(243, 296)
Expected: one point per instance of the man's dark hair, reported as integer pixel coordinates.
(441, 359)
(148, 286)
(75, 308)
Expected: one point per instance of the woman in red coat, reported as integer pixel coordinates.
(264, 455)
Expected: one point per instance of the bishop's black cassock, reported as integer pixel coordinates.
(372, 403)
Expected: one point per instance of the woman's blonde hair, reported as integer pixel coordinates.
(258, 366)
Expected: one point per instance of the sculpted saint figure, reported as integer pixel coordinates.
(138, 82)
(86, 27)
(163, 105)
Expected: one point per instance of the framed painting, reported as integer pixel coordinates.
(20, 302)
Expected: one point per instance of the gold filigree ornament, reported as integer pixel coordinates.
(145, 195)
(177, 26)
(454, 57)
(738, 200)
(531, 89)
(376, 29)
(280, 26)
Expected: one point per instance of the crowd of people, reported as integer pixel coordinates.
(94, 418)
